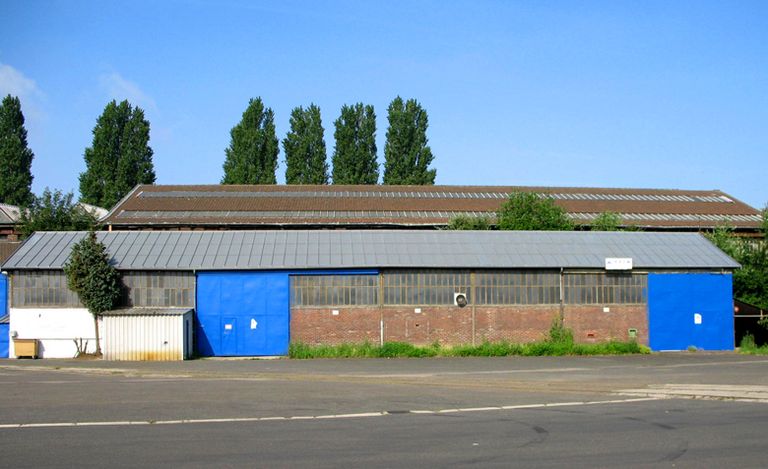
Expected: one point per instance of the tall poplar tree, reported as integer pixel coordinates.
(304, 148)
(407, 155)
(354, 156)
(15, 155)
(120, 157)
(253, 148)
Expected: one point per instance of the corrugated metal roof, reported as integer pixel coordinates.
(255, 206)
(146, 311)
(301, 249)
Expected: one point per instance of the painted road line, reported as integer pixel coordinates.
(121, 423)
(745, 393)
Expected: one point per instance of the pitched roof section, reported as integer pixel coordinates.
(302, 249)
(242, 206)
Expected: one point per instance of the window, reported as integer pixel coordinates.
(517, 287)
(334, 290)
(42, 288)
(158, 289)
(425, 287)
(602, 288)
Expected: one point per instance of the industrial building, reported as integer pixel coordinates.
(238, 207)
(251, 293)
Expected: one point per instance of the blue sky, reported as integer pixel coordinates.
(568, 93)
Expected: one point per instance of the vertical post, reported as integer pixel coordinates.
(381, 309)
(473, 296)
(562, 296)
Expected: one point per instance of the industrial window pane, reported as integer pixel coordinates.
(603, 288)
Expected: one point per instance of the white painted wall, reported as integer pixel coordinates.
(54, 328)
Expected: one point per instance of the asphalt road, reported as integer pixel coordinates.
(670, 410)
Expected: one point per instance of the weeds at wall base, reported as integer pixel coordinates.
(748, 346)
(486, 349)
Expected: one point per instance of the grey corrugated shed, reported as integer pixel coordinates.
(254, 250)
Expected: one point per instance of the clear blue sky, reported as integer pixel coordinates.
(656, 94)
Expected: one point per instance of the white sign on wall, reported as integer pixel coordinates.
(618, 263)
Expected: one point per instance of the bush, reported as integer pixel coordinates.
(748, 346)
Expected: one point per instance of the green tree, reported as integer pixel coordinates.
(54, 211)
(354, 156)
(15, 155)
(407, 155)
(93, 278)
(253, 148)
(607, 221)
(468, 222)
(529, 211)
(764, 224)
(304, 148)
(750, 283)
(120, 156)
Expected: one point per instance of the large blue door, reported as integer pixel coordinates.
(242, 313)
(690, 310)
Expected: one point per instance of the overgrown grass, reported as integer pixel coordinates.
(559, 343)
(748, 346)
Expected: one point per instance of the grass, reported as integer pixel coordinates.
(560, 343)
(749, 347)
(486, 349)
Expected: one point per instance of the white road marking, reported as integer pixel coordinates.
(730, 392)
(122, 423)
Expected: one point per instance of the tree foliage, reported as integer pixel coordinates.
(15, 155)
(54, 211)
(407, 155)
(750, 283)
(253, 148)
(354, 156)
(467, 222)
(304, 148)
(93, 278)
(529, 211)
(120, 156)
(607, 221)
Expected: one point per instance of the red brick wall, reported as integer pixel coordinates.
(591, 324)
(450, 325)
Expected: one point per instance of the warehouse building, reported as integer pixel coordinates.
(253, 292)
(214, 207)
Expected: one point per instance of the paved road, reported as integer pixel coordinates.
(523, 412)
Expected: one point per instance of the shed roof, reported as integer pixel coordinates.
(304, 249)
(263, 206)
(147, 311)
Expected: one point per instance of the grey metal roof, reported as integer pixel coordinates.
(262, 250)
(145, 311)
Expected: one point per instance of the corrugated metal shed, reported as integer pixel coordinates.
(155, 334)
(265, 250)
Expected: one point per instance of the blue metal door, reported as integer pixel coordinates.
(690, 310)
(242, 313)
(3, 295)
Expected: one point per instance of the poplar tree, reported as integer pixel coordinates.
(15, 155)
(253, 148)
(354, 156)
(304, 148)
(407, 155)
(120, 157)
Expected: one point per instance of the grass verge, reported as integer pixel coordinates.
(748, 346)
(486, 349)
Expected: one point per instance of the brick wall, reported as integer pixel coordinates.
(450, 325)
